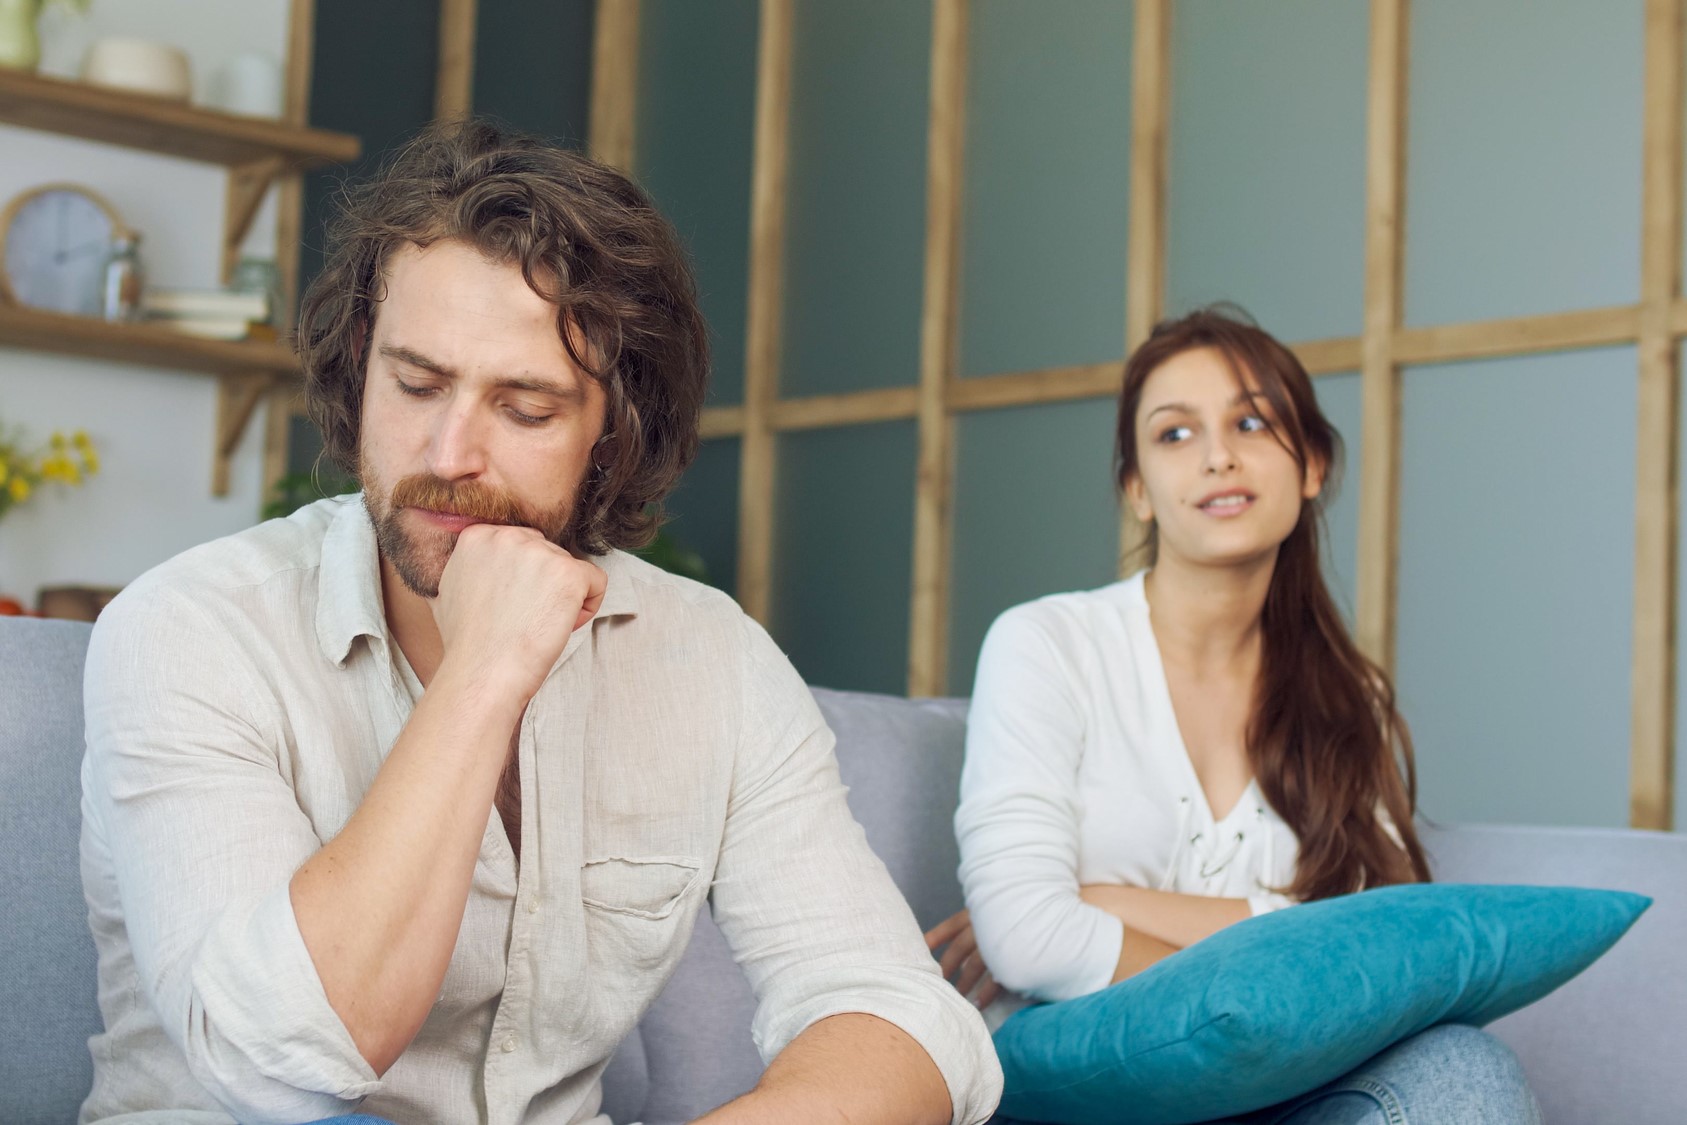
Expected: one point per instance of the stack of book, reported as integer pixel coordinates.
(217, 314)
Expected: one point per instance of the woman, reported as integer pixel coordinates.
(1158, 759)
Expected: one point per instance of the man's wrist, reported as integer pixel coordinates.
(488, 689)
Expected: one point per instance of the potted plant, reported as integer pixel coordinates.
(20, 41)
(65, 460)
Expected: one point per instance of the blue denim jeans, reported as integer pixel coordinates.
(1448, 1075)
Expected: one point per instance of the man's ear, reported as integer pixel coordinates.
(1137, 497)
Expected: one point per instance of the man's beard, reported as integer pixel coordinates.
(419, 558)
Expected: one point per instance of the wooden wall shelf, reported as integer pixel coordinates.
(146, 344)
(257, 152)
(137, 121)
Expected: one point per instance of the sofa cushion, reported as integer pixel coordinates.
(47, 991)
(1277, 1005)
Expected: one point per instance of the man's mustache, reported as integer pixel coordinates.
(464, 498)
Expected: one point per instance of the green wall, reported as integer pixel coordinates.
(1522, 193)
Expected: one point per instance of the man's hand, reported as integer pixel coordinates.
(508, 601)
(961, 961)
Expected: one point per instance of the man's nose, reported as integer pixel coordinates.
(458, 448)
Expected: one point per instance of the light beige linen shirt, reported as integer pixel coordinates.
(240, 699)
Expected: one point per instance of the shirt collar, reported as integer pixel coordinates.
(349, 602)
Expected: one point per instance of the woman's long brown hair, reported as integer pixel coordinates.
(1324, 741)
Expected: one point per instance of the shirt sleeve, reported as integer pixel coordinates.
(1018, 820)
(1268, 901)
(186, 783)
(810, 913)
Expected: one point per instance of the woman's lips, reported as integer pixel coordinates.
(1228, 506)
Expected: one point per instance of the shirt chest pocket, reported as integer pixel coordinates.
(639, 911)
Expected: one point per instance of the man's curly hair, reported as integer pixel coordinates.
(588, 240)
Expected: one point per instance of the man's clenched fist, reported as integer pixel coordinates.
(508, 600)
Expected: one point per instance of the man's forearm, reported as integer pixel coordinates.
(379, 907)
(852, 1068)
(1178, 920)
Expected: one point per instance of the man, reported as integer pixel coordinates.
(298, 736)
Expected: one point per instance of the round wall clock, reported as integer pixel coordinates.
(54, 242)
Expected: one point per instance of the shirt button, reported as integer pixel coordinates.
(509, 1044)
(533, 906)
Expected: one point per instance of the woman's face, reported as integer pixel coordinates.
(1213, 477)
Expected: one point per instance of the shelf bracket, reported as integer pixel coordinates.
(247, 186)
(237, 400)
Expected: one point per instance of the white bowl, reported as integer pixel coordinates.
(141, 66)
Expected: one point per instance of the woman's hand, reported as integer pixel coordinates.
(961, 962)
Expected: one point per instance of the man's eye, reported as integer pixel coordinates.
(414, 391)
(1173, 434)
(529, 419)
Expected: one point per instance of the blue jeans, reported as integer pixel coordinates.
(1448, 1075)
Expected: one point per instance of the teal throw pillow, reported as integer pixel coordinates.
(1278, 1005)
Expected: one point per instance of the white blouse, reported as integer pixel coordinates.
(1076, 773)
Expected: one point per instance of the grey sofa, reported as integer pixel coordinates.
(1609, 1047)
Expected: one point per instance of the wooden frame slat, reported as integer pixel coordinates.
(1145, 254)
(614, 107)
(1657, 475)
(1523, 335)
(928, 622)
(1145, 263)
(818, 412)
(765, 313)
(1379, 481)
(290, 209)
(721, 422)
(1030, 388)
(453, 89)
(289, 237)
(1329, 357)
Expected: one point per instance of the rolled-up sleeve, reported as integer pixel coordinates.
(185, 783)
(1017, 823)
(809, 911)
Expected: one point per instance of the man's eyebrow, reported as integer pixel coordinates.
(416, 359)
(571, 392)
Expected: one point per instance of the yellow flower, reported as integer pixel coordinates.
(5, 470)
(58, 441)
(90, 462)
(80, 440)
(20, 490)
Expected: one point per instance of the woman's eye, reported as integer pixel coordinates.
(1173, 434)
(1253, 424)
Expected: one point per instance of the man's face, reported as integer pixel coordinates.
(473, 411)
